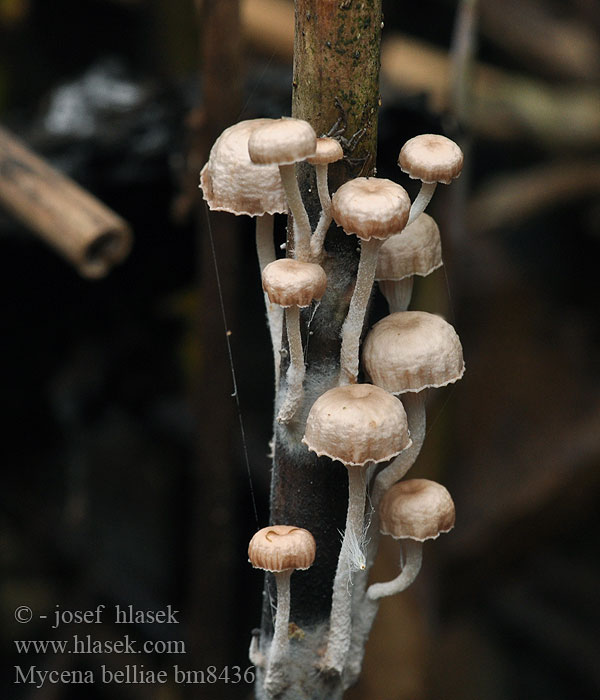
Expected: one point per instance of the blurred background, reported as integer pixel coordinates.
(124, 476)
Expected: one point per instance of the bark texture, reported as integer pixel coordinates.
(336, 82)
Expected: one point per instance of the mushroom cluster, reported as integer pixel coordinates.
(375, 427)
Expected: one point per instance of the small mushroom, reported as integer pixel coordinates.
(328, 151)
(406, 353)
(373, 209)
(431, 158)
(281, 549)
(412, 511)
(293, 285)
(415, 251)
(284, 142)
(358, 425)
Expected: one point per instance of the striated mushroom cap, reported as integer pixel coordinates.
(417, 250)
(282, 142)
(328, 151)
(431, 158)
(418, 509)
(412, 351)
(356, 424)
(231, 182)
(289, 282)
(371, 207)
(282, 547)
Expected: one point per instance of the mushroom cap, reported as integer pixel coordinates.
(357, 424)
(289, 282)
(415, 251)
(418, 509)
(371, 207)
(231, 182)
(411, 351)
(282, 547)
(328, 151)
(282, 142)
(431, 158)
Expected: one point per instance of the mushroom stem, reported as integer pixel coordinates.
(274, 679)
(296, 369)
(265, 249)
(340, 623)
(353, 325)
(414, 405)
(298, 211)
(318, 237)
(397, 292)
(421, 200)
(413, 557)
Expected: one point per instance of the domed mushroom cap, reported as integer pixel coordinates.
(418, 509)
(431, 158)
(415, 251)
(411, 351)
(282, 142)
(356, 424)
(371, 207)
(282, 547)
(328, 151)
(231, 182)
(289, 282)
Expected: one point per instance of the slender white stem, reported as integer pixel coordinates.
(265, 248)
(340, 623)
(414, 405)
(413, 557)
(421, 200)
(296, 369)
(318, 237)
(397, 292)
(353, 325)
(275, 677)
(296, 205)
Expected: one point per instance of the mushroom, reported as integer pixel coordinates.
(373, 209)
(406, 353)
(281, 549)
(283, 142)
(416, 251)
(231, 182)
(293, 285)
(413, 511)
(358, 425)
(431, 158)
(328, 151)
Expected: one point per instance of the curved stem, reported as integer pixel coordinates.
(397, 293)
(421, 201)
(413, 552)
(353, 325)
(265, 249)
(318, 237)
(296, 369)
(298, 211)
(275, 678)
(340, 625)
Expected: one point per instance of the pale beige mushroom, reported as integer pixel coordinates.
(231, 182)
(328, 151)
(373, 209)
(431, 158)
(406, 353)
(284, 142)
(413, 511)
(281, 549)
(416, 251)
(358, 425)
(293, 285)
